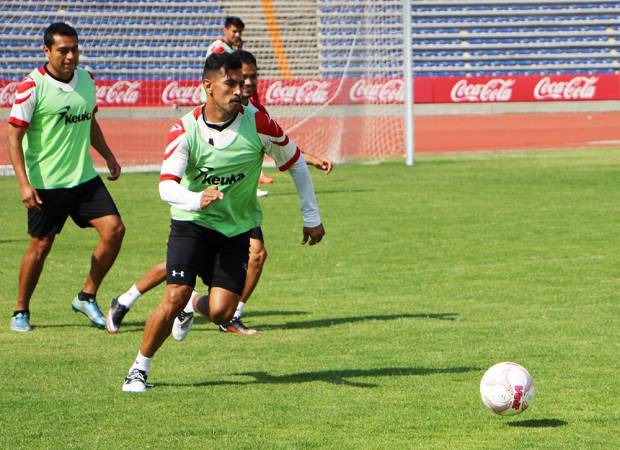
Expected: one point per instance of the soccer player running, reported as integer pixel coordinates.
(51, 128)
(258, 254)
(209, 176)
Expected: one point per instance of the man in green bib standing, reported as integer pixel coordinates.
(209, 177)
(51, 128)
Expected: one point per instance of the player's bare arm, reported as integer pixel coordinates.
(98, 142)
(27, 193)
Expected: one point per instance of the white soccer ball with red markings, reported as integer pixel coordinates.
(507, 389)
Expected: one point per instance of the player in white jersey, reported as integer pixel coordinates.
(51, 128)
(209, 176)
(258, 254)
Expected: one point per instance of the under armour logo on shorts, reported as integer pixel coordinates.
(180, 273)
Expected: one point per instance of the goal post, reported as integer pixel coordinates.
(341, 94)
(409, 121)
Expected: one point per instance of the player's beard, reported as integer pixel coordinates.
(231, 107)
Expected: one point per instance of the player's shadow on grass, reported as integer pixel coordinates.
(337, 377)
(538, 423)
(67, 325)
(277, 313)
(342, 320)
(135, 326)
(138, 326)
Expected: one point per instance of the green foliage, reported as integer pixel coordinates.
(375, 338)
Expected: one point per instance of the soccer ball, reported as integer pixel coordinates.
(507, 389)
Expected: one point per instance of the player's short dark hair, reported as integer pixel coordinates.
(216, 61)
(234, 21)
(245, 57)
(59, 28)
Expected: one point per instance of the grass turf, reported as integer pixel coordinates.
(376, 338)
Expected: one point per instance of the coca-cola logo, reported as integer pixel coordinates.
(121, 92)
(7, 93)
(175, 94)
(495, 90)
(577, 88)
(311, 92)
(366, 91)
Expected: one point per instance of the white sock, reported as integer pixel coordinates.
(142, 363)
(239, 311)
(189, 308)
(129, 298)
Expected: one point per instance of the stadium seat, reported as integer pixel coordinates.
(446, 36)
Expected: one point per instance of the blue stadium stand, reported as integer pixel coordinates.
(474, 38)
(159, 39)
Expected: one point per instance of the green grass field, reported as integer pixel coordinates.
(376, 338)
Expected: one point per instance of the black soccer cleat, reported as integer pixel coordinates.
(115, 316)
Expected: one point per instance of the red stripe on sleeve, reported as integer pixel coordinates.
(27, 83)
(265, 125)
(218, 50)
(283, 143)
(18, 123)
(175, 131)
(23, 99)
(169, 176)
(170, 152)
(291, 161)
(258, 105)
(42, 70)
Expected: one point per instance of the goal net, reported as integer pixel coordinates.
(330, 71)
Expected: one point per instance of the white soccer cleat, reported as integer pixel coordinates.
(182, 324)
(260, 193)
(135, 381)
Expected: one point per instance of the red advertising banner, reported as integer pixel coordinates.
(360, 91)
(532, 88)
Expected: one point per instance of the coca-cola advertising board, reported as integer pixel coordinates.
(533, 88)
(357, 91)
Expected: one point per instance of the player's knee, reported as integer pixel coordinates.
(42, 246)
(118, 231)
(176, 298)
(114, 232)
(221, 313)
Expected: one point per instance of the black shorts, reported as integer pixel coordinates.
(83, 203)
(219, 260)
(257, 233)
